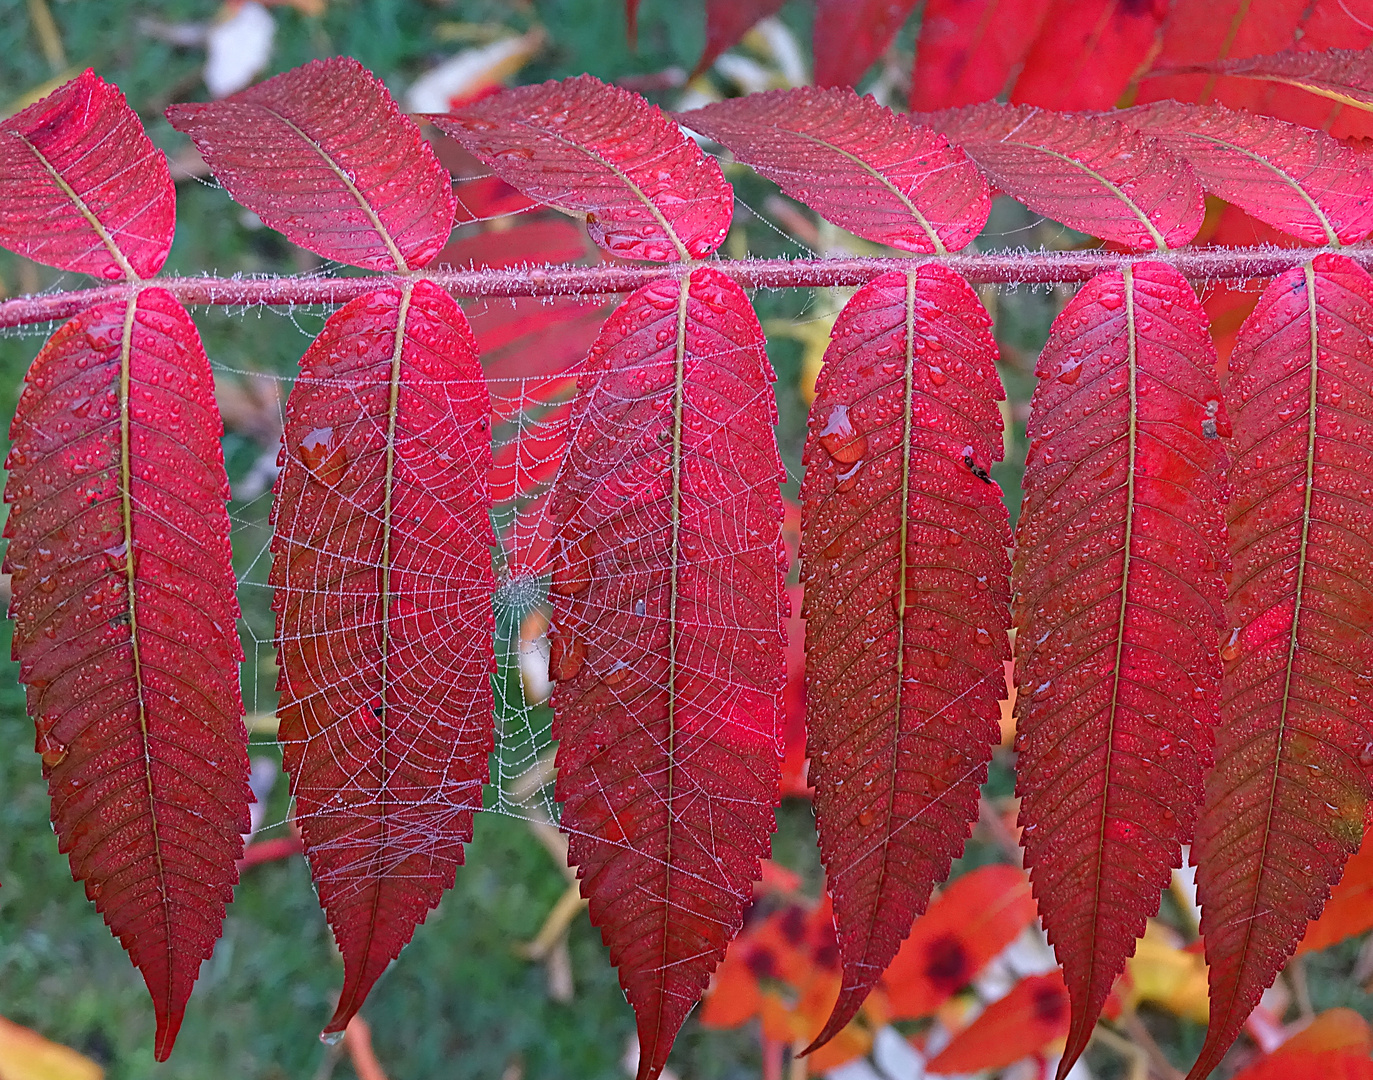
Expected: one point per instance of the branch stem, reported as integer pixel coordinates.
(1005, 268)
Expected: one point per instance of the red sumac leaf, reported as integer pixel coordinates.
(646, 189)
(1203, 31)
(850, 34)
(1341, 75)
(1285, 804)
(1087, 51)
(969, 49)
(81, 185)
(729, 20)
(1118, 613)
(1298, 180)
(668, 609)
(125, 630)
(382, 572)
(857, 163)
(905, 568)
(325, 156)
(1089, 172)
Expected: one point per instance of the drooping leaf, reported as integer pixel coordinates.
(82, 187)
(324, 155)
(1206, 31)
(1089, 172)
(855, 162)
(1295, 179)
(668, 606)
(124, 616)
(1349, 911)
(1285, 803)
(1087, 51)
(1028, 1020)
(968, 50)
(1340, 75)
(727, 21)
(977, 916)
(383, 581)
(904, 563)
(646, 189)
(1118, 612)
(851, 34)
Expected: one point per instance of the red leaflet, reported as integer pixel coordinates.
(383, 588)
(969, 49)
(124, 616)
(1087, 52)
(857, 163)
(82, 187)
(977, 916)
(1341, 75)
(1285, 804)
(727, 21)
(851, 34)
(646, 189)
(1295, 179)
(323, 155)
(1026, 1021)
(667, 609)
(905, 568)
(1202, 31)
(1090, 172)
(1118, 611)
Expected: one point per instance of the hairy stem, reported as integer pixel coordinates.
(1008, 268)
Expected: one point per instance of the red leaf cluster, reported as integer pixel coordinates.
(651, 502)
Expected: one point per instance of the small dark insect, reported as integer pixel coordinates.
(976, 469)
(376, 710)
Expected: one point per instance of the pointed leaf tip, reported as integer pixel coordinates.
(1119, 554)
(903, 560)
(648, 192)
(1285, 803)
(124, 629)
(667, 637)
(81, 185)
(382, 576)
(325, 156)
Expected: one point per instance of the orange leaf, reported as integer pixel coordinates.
(1350, 908)
(1026, 1021)
(26, 1055)
(971, 921)
(1323, 1065)
(1335, 1029)
(734, 997)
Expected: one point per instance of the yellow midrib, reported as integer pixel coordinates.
(675, 555)
(85, 211)
(130, 585)
(1132, 364)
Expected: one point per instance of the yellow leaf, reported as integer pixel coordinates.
(1164, 973)
(26, 1055)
